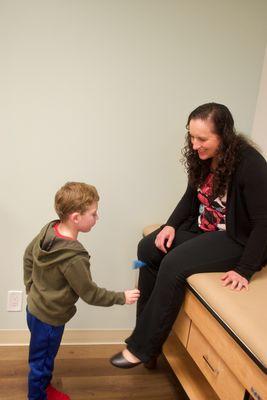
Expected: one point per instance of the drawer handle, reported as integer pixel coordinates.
(215, 371)
(255, 394)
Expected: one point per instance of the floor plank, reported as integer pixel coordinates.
(85, 373)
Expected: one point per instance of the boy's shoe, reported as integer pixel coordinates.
(54, 394)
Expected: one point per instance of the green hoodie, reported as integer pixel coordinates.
(56, 274)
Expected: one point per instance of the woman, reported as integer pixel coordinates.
(219, 225)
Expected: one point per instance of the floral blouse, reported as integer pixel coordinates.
(211, 212)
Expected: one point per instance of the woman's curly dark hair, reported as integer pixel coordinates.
(228, 152)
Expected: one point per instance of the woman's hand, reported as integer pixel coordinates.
(131, 296)
(235, 280)
(166, 234)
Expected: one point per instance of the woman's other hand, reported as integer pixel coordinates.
(131, 296)
(165, 238)
(234, 280)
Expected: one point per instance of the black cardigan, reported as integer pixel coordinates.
(246, 210)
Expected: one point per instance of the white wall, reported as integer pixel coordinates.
(259, 130)
(99, 91)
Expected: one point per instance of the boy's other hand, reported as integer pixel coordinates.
(131, 296)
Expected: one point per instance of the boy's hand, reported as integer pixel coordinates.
(131, 296)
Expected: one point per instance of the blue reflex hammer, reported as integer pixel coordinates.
(138, 264)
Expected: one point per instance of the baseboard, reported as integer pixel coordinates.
(21, 337)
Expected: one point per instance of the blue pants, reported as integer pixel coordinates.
(44, 345)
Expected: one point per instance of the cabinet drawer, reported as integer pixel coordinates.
(181, 327)
(224, 383)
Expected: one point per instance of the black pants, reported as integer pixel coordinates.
(162, 281)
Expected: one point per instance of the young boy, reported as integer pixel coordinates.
(56, 274)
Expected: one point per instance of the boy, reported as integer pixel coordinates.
(56, 274)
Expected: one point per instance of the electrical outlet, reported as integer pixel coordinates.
(14, 300)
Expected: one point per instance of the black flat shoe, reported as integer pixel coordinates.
(120, 361)
(152, 363)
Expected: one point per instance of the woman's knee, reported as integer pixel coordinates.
(142, 249)
(147, 250)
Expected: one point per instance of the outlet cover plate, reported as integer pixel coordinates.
(14, 300)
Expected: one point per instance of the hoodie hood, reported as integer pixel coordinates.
(50, 249)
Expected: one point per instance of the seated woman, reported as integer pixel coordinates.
(219, 225)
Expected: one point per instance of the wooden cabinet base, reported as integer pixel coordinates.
(207, 361)
(194, 383)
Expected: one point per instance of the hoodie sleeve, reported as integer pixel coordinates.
(79, 277)
(27, 265)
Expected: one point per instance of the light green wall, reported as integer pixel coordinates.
(259, 130)
(99, 91)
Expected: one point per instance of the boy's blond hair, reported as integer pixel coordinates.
(74, 197)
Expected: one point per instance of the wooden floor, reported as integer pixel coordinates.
(85, 373)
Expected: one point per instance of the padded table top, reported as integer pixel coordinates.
(243, 313)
